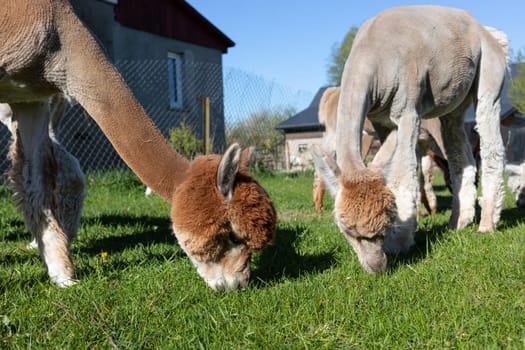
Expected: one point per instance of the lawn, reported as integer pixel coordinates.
(455, 289)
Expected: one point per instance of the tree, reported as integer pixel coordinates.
(516, 91)
(339, 55)
(259, 130)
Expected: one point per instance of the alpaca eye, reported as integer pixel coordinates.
(234, 238)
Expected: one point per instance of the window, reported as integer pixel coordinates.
(175, 79)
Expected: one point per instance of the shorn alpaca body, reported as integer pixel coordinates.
(64, 177)
(220, 214)
(430, 134)
(408, 64)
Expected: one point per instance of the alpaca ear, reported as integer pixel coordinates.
(246, 157)
(327, 168)
(228, 169)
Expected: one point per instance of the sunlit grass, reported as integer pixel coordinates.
(456, 289)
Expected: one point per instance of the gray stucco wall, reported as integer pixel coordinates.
(142, 60)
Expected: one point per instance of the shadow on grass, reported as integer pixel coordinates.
(18, 234)
(425, 239)
(157, 231)
(443, 202)
(511, 217)
(280, 260)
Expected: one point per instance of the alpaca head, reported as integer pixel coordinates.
(516, 182)
(364, 209)
(220, 216)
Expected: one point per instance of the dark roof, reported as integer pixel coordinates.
(174, 19)
(507, 111)
(307, 120)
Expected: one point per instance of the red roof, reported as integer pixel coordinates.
(174, 19)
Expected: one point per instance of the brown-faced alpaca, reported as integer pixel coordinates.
(67, 180)
(430, 133)
(407, 64)
(46, 50)
(236, 217)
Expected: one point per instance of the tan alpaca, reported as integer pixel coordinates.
(408, 64)
(45, 50)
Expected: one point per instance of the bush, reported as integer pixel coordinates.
(184, 141)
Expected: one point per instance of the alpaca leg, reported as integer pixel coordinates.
(38, 199)
(71, 185)
(70, 181)
(318, 192)
(492, 151)
(462, 170)
(421, 198)
(428, 195)
(402, 181)
(366, 143)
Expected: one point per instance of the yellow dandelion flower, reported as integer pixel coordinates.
(104, 254)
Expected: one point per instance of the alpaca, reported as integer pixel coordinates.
(516, 182)
(408, 64)
(69, 180)
(220, 215)
(430, 133)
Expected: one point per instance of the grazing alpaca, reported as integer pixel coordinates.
(430, 133)
(220, 215)
(406, 64)
(516, 182)
(67, 179)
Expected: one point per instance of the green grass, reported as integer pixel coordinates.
(456, 289)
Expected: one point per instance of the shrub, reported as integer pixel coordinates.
(185, 141)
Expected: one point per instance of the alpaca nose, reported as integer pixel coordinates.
(375, 264)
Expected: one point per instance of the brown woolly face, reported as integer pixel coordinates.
(364, 210)
(221, 216)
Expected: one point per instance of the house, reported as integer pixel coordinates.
(303, 130)
(170, 56)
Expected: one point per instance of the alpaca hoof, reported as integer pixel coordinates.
(462, 223)
(486, 228)
(64, 282)
(31, 245)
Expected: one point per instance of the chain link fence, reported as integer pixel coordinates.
(234, 96)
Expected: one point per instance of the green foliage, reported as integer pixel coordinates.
(340, 53)
(185, 141)
(138, 290)
(258, 130)
(516, 91)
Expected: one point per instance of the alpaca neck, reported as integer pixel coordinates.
(95, 83)
(350, 129)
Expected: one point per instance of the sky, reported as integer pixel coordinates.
(290, 41)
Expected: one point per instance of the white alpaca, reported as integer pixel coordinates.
(516, 182)
(430, 134)
(406, 64)
(220, 214)
(47, 221)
